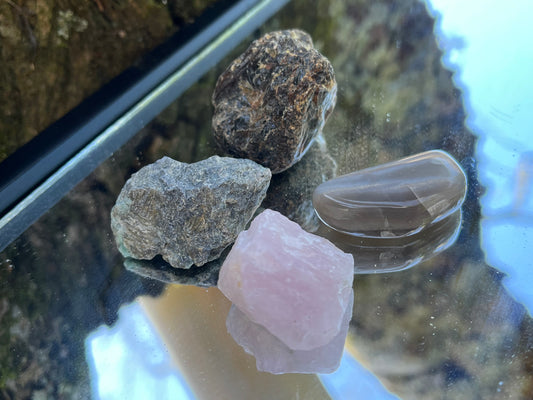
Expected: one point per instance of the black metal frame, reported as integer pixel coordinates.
(41, 172)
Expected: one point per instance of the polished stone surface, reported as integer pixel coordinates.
(295, 284)
(395, 199)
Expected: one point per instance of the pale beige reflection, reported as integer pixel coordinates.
(192, 323)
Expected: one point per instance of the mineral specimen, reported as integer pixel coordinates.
(188, 213)
(295, 284)
(396, 199)
(274, 356)
(273, 100)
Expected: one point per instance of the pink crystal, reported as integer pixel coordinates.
(274, 356)
(295, 284)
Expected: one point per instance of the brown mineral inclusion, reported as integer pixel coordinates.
(396, 199)
(273, 100)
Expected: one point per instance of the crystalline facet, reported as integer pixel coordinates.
(295, 284)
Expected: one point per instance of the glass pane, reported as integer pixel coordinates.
(412, 76)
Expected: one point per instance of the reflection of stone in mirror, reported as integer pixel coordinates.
(290, 192)
(160, 270)
(274, 356)
(395, 199)
(378, 255)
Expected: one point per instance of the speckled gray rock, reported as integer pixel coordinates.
(273, 100)
(188, 213)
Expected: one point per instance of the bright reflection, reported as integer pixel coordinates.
(353, 381)
(487, 45)
(129, 361)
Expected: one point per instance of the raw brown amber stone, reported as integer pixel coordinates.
(396, 199)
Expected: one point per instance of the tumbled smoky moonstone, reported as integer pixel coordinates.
(395, 199)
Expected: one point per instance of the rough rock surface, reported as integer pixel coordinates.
(274, 99)
(188, 213)
(295, 284)
(396, 199)
(274, 356)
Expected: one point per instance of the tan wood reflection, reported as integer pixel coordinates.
(192, 324)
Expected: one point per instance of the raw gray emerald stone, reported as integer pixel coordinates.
(188, 213)
(396, 199)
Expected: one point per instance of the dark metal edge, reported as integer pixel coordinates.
(190, 62)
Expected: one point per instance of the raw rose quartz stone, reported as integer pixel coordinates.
(274, 356)
(296, 284)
